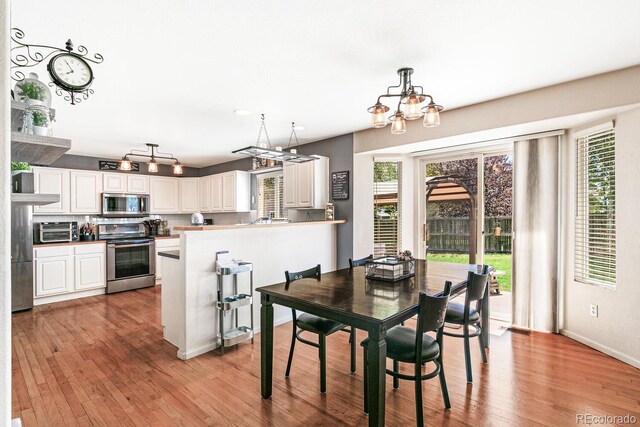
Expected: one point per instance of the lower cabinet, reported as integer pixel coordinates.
(67, 269)
(162, 245)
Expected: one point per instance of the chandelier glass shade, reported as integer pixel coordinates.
(153, 166)
(410, 106)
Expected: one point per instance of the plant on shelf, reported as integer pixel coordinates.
(40, 118)
(31, 90)
(20, 166)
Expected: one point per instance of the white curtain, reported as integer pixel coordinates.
(535, 223)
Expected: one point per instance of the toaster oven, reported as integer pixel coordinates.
(55, 232)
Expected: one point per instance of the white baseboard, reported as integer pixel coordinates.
(197, 351)
(603, 348)
(69, 296)
(16, 422)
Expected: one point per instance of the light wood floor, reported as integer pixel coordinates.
(102, 361)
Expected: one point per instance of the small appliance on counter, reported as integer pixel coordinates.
(55, 232)
(197, 219)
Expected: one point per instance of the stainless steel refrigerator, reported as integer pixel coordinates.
(21, 257)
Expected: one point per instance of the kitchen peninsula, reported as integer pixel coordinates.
(189, 301)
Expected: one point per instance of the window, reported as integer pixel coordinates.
(595, 233)
(270, 196)
(387, 208)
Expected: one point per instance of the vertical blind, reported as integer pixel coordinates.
(595, 221)
(387, 208)
(270, 196)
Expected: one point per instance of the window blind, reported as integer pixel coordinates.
(387, 208)
(595, 219)
(271, 196)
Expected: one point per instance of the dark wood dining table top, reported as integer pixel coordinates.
(347, 291)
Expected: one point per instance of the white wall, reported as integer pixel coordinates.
(616, 330)
(5, 222)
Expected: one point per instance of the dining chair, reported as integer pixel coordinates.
(410, 345)
(360, 262)
(316, 325)
(465, 316)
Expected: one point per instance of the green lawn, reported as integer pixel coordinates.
(498, 261)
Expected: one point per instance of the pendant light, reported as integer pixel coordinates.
(152, 154)
(409, 105)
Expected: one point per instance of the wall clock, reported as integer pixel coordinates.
(70, 72)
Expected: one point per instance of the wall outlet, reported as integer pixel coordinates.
(593, 310)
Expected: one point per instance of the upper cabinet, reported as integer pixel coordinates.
(138, 184)
(236, 191)
(306, 185)
(164, 195)
(216, 193)
(86, 189)
(189, 192)
(125, 183)
(205, 194)
(52, 181)
(114, 183)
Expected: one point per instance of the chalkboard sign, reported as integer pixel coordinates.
(340, 185)
(106, 165)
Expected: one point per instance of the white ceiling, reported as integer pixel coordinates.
(175, 70)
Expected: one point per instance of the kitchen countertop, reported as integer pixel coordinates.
(45, 245)
(173, 236)
(170, 254)
(236, 226)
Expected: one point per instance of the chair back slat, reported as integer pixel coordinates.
(360, 262)
(313, 272)
(476, 284)
(432, 310)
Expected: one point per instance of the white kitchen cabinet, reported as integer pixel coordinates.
(114, 183)
(90, 267)
(138, 184)
(189, 195)
(216, 193)
(164, 195)
(306, 185)
(51, 181)
(236, 189)
(53, 268)
(205, 194)
(86, 189)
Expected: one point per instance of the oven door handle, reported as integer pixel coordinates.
(136, 245)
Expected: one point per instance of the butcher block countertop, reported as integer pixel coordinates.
(237, 226)
(84, 242)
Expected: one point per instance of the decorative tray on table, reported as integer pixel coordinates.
(390, 269)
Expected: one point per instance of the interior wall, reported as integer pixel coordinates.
(616, 330)
(5, 220)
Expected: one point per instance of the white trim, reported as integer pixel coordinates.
(602, 127)
(603, 348)
(486, 147)
(69, 296)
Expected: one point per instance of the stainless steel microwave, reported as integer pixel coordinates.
(125, 205)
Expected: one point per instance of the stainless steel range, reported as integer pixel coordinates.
(131, 256)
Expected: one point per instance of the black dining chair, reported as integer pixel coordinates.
(360, 262)
(464, 315)
(409, 345)
(316, 325)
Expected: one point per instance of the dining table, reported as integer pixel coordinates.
(349, 297)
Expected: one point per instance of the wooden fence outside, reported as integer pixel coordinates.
(452, 235)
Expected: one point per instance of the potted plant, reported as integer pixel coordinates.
(40, 122)
(30, 91)
(19, 167)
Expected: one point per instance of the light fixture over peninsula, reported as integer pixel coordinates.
(409, 106)
(124, 164)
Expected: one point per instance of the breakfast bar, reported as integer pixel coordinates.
(189, 301)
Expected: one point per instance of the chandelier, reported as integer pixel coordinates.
(409, 108)
(124, 164)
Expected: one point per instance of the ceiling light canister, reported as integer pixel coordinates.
(431, 115)
(177, 168)
(124, 164)
(378, 120)
(152, 166)
(412, 111)
(398, 123)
